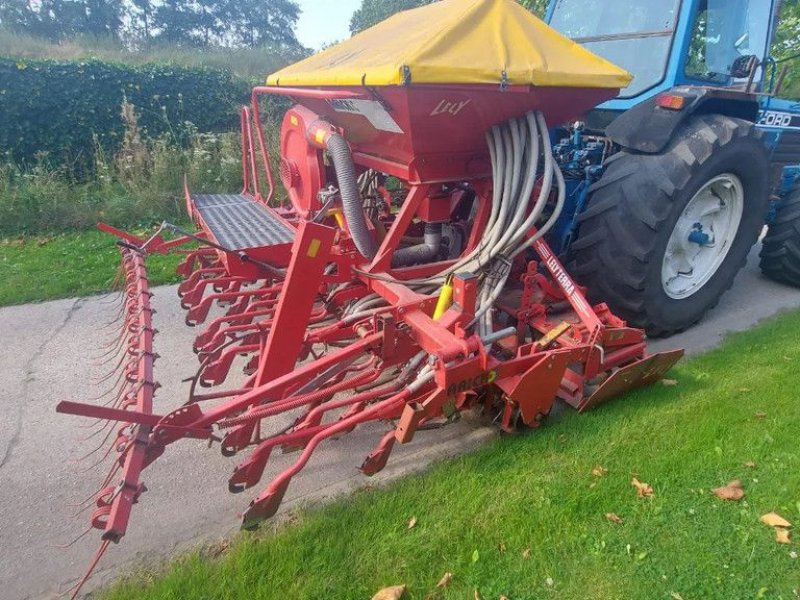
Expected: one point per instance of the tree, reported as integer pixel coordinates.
(257, 23)
(142, 19)
(61, 19)
(373, 12)
(224, 22)
(175, 22)
(786, 47)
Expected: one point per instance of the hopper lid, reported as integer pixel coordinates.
(456, 42)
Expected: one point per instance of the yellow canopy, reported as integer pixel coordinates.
(456, 41)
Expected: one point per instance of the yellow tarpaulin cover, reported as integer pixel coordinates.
(456, 41)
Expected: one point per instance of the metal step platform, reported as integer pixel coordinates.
(238, 222)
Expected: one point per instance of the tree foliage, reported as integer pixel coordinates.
(193, 23)
(786, 47)
(61, 19)
(372, 12)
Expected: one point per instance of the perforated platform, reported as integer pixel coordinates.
(238, 222)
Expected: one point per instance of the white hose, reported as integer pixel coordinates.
(516, 149)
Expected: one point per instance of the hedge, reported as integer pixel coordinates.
(57, 108)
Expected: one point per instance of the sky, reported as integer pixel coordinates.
(324, 21)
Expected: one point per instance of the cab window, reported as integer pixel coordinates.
(723, 31)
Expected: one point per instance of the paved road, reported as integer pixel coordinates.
(47, 356)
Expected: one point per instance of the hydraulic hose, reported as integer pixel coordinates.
(352, 207)
(420, 253)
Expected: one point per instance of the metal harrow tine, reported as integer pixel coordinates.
(69, 544)
(93, 496)
(98, 555)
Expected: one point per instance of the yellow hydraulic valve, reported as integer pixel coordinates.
(445, 299)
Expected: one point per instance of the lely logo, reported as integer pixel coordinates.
(447, 107)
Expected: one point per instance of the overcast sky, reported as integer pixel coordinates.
(324, 21)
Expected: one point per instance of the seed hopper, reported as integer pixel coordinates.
(403, 278)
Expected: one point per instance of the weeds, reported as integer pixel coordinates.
(142, 184)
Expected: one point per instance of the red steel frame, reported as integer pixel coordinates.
(279, 319)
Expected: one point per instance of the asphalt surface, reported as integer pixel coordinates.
(48, 355)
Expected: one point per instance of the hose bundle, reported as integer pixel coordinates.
(521, 153)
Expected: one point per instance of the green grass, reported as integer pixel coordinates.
(62, 266)
(479, 513)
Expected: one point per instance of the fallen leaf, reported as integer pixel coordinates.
(732, 491)
(501, 546)
(759, 415)
(593, 485)
(412, 522)
(394, 592)
(745, 390)
(675, 596)
(750, 464)
(477, 594)
(599, 471)
(782, 535)
(503, 597)
(614, 518)
(445, 580)
(526, 554)
(774, 520)
(642, 489)
(475, 556)
(669, 381)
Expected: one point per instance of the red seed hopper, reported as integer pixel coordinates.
(403, 277)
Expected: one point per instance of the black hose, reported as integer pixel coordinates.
(421, 253)
(352, 206)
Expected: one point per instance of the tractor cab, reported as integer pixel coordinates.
(673, 42)
(673, 176)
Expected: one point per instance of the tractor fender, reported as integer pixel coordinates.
(650, 126)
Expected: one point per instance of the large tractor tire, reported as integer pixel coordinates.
(663, 235)
(780, 253)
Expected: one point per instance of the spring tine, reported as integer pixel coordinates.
(99, 461)
(267, 502)
(113, 402)
(95, 433)
(126, 367)
(98, 555)
(89, 500)
(113, 357)
(112, 299)
(113, 387)
(114, 343)
(69, 544)
(102, 443)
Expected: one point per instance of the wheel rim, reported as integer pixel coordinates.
(703, 236)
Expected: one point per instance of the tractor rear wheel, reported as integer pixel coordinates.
(663, 235)
(780, 253)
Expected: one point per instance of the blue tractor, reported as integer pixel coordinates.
(671, 183)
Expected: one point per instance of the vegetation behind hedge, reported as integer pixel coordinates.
(62, 113)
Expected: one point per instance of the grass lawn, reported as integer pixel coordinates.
(74, 264)
(525, 518)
